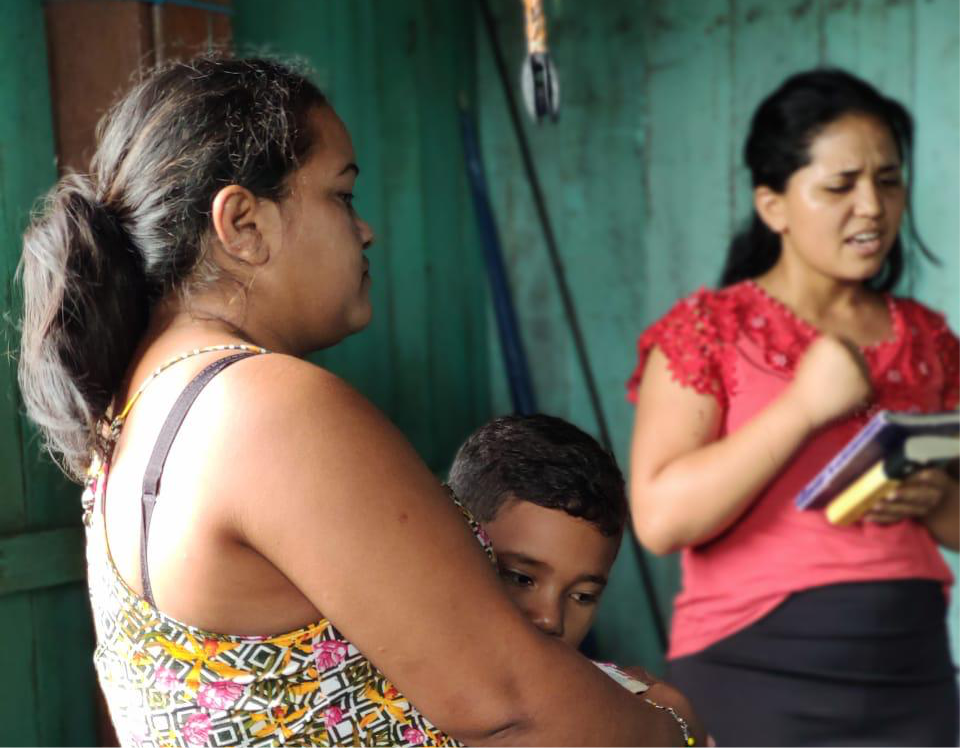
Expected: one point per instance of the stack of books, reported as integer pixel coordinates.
(887, 450)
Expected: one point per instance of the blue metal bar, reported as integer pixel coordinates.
(511, 344)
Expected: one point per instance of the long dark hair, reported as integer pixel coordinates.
(781, 132)
(105, 247)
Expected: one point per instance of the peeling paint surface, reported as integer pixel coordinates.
(644, 181)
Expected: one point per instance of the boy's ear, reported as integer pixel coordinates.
(245, 225)
(770, 206)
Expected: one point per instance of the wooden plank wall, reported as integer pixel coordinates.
(394, 72)
(591, 167)
(46, 692)
(643, 178)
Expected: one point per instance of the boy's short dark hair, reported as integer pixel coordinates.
(543, 460)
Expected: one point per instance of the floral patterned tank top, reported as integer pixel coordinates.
(169, 684)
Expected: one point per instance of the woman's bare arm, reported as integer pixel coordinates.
(338, 501)
(687, 486)
(943, 521)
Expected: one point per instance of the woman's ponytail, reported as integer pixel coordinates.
(85, 309)
(105, 249)
(752, 252)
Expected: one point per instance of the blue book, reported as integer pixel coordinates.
(884, 434)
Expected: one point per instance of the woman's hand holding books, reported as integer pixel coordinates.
(915, 497)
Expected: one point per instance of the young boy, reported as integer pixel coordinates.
(553, 504)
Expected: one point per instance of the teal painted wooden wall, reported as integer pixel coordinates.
(395, 71)
(46, 686)
(591, 164)
(642, 175)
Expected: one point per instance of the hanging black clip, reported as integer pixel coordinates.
(538, 76)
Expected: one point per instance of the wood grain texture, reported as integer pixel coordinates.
(36, 560)
(46, 694)
(600, 200)
(394, 72)
(656, 101)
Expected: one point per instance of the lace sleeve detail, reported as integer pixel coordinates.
(692, 336)
(948, 349)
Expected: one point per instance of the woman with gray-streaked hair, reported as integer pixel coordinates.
(269, 560)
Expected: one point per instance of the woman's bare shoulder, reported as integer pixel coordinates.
(291, 385)
(292, 417)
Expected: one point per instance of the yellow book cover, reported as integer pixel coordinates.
(856, 500)
(914, 453)
(883, 435)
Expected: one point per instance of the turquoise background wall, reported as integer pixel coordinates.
(591, 164)
(395, 72)
(46, 641)
(643, 178)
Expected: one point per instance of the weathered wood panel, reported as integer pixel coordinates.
(656, 100)
(599, 199)
(46, 692)
(394, 72)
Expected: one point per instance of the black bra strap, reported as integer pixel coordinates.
(151, 477)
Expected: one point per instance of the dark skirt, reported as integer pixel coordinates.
(845, 664)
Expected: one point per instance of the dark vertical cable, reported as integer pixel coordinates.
(547, 227)
(511, 344)
(566, 297)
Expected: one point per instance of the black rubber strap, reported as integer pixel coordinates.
(151, 477)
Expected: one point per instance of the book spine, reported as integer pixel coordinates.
(808, 492)
(860, 496)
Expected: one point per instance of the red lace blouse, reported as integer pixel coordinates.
(741, 345)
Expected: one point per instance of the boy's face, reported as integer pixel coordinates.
(554, 566)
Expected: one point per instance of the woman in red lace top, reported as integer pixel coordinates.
(789, 630)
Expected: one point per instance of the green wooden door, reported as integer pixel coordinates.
(46, 641)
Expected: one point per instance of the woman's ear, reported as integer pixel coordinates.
(244, 224)
(771, 208)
